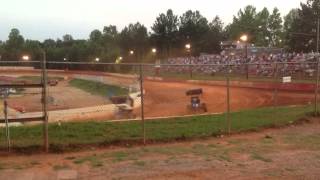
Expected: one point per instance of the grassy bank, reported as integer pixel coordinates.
(73, 135)
(98, 88)
(37, 79)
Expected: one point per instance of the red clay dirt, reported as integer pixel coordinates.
(169, 98)
(166, 98)
(62, 96)
(289, 153)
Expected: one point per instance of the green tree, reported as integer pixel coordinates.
(262, 34)
(275, 28)
(214, 36)
(134, 37)
(96, 42)
(244, 23)
(1, 49)
(111, 50)
(67, 40)
(14, 45)
(95, 36)
(193, 29)
(49, 43)
(165, 32)
(33, 49)
(52, 51)
(289, 20)
(301, 33)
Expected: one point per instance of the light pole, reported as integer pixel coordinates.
(132, 57)
(154, 53)
(67, 66)
(188, 49)
(154, 50)
(157, 64)
(244, 38)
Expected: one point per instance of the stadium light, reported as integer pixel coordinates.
(97, 59)
(131, 52)
(118, 60)
(65, 59)
(25, 57)
(188, 46)
(244, 38)
(154, 50)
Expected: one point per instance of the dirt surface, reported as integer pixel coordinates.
(288, 153)
(169, 98)
(62, 96)
(163, 98)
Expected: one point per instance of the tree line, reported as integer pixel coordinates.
(296, 31)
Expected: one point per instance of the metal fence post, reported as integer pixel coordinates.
(190, 68)
(5, 110)
(228, 101)
(247, 73)
(142, 104)
(44, 103)
(275, 90)
(316, 90)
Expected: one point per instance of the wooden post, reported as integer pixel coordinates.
(44, 103)
(5, 110)
(142, 104)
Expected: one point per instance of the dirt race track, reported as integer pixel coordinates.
(62, 96)
(169, 98)
(162, 98)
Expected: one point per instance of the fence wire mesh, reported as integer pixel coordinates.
(169, 100)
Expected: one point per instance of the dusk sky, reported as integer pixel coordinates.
(42, 19)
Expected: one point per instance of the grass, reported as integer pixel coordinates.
(37, 79)
(94, 161)
(119, 156)
(73, 135)
(259, 157)
(139, 163)
(307, 141)
(98, 88)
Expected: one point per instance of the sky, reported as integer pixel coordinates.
(43, 19)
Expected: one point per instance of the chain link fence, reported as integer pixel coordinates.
(167, 100)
